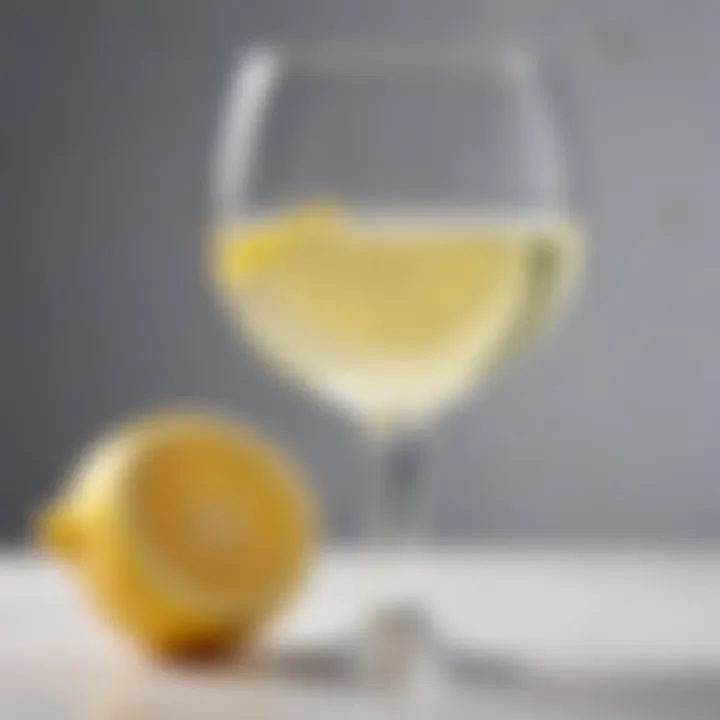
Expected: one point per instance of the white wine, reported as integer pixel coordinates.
(393, 316)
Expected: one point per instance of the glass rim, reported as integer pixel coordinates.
(386, 54)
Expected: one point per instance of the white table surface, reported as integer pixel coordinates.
(587, 627)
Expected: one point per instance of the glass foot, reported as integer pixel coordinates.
(392, 655)
(398, 649)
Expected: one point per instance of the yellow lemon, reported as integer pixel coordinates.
(239, 250)
(186, 530)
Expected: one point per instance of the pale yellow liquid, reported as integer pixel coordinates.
(396, 317)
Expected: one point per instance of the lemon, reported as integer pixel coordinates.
(240, 250)
(187, 531)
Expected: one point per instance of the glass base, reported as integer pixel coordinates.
(397, 658)
(398, 649)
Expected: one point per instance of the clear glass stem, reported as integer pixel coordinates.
(398, 634)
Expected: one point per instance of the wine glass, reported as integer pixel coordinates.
(390, 226)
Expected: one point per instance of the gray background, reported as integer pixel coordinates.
(107, 114)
